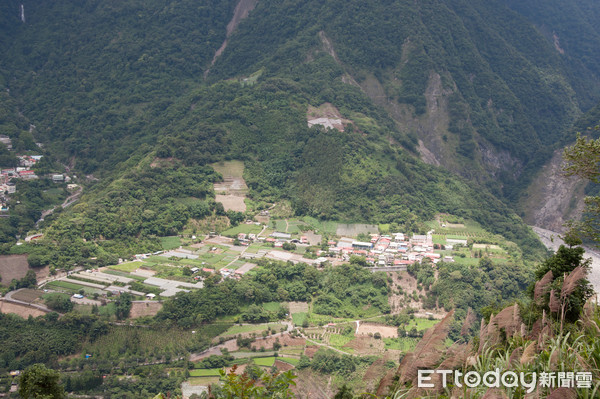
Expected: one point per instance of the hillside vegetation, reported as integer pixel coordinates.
(477, 85)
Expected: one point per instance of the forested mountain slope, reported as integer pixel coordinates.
(475, 87)
(479, 84)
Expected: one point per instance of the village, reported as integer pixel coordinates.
(22, 172)
(395, 249)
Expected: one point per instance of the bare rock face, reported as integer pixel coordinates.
(242, 9)
(553, 199)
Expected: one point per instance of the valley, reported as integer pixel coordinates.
(334, 191)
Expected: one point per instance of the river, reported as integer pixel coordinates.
(552, 241)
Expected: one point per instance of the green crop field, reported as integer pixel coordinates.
(127, 267)
(249, 328)
(159, 342)
(124, 274)
(402, 344)
(296, 226)
(290, 360)
(66, 284)
(439, 239)
(169, 243)
(299, 318)
(203, 380)
(339, 340)
(264, 361)
(242, 228)
(204, 373)
(322, 226)
(319, 319)
(421, 324)
(292, 350)
(230, 168)
(281, 225)
(271, 306)
(72, 288)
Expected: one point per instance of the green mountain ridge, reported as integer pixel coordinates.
(477, 86)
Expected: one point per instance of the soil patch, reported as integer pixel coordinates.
(326, 115)
(231, 202)
(374, 373)
(313, 385)
(140, 309)
(283, 366)
(313, 239)
(372, 328)
(27, 295)
(365, 345)
(353, 230)
(285, 340)
(298, 307)
(408, 284)
(21, 310)
(233, 189)
(15, 267)
(311, 350)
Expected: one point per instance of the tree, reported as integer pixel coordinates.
(344, 393)
(123, 306)
(266, 385)
(35, 260)
(59, 302)
(567, 295)
(39, 382)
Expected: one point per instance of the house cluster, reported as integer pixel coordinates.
(247, 239)
(23, 171)
(390, 250)
(278, 239)
(231, 273)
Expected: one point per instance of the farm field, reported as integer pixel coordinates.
(169, 243)
(127, 267)
(242, 228)
(232, 191)
(291, 360)
(353, 230)
(150, 340)
(327, 227)
(72, 288)
(203, 380)
(370, 328)
(338, 340)
(403, 344)
(421, 324)
(21, 310)
(229, 168)
(299, 318)
(12, 267)
(271, 306)
(293, 351)
(252, 328)
(27, 295)
(140, 309)
(123, 274)
(204, 373)
(264, 361)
